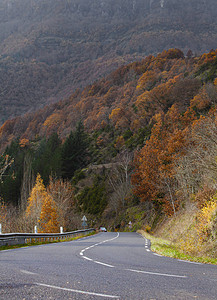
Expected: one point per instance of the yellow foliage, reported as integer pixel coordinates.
(115, 113)
(48, 218)
(205, 218)
(35, 200)
(41, 208)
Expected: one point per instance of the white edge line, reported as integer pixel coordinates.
(159, 274)
(78, 291)
(6, 250)
(190, 262)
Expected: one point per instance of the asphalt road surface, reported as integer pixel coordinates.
(104, 266)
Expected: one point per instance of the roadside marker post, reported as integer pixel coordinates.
(84, 223)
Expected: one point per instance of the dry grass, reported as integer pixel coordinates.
(170, 249)
(191, 234)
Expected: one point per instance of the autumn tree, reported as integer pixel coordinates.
(9, 218)
(154, 177)
(35, 202)
(48, 222)
(62, 194)
(119, 179)
(198, 167)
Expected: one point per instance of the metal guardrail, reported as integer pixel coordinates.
(24, 238)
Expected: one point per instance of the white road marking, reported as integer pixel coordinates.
(137, 271)
(190, 262)
(87, 258)
(159, 274)
(100, 263)
(158, 254)
(77, 291)
(14, 249)
(28, 272)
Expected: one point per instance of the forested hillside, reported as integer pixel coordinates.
(50, 48)
(135, 146)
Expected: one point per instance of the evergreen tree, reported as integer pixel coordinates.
(93, 199)
(47, 159)
(75, 152)
(10, 186)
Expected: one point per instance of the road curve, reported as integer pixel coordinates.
(104, 266)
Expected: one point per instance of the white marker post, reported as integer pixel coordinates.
(35, 229)
(0, 228)
(61, 229)
(84, 224)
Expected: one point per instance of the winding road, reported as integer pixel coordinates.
(104, 266)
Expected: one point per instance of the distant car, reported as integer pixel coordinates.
(102, 229)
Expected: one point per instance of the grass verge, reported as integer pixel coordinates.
(43, 243)
(167, 248)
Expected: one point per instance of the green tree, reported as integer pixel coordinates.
(12, 177)
(93, 199)
(47, 160)
(75, 152)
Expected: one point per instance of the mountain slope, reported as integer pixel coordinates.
(127, 99)
(49, 48)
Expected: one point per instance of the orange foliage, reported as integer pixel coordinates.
(153, 179)
(48, 218)
(201, 101)
(23, 142)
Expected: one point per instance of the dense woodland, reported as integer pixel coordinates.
(143, 136)
(50, 48)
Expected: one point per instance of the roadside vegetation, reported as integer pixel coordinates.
(170, 249)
